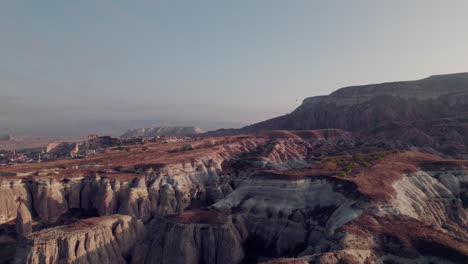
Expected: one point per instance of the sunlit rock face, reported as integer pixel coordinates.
(12, 193)
(95, 240)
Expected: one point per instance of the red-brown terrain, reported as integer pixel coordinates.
(370, 174)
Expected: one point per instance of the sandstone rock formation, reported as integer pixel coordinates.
(96, 240)
(49, 201)
(12, 192)
(201, 236)
(23, 220)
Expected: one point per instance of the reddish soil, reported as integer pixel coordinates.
(155, 153)
(373, 181)
(86, 223)
(406, 236)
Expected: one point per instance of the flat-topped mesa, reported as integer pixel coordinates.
(407, 114)
(163, 131)
(108, 239)
(432, 87)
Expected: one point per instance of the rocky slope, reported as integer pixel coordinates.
(162, 131)
(422, 221)
(431, 112)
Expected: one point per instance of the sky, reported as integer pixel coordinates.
(105, 65)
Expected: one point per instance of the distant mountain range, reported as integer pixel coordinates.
(160, 131)
(431, 112)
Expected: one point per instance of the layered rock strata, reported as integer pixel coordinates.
(108, 239)
(199, 236)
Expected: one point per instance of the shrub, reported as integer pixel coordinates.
(343, 174)
(188, 147)
(330, 165)
(358, 157)
(347, 169)
(127, 149)
(365, 164)
(144, 148)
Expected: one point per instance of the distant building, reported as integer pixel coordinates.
(92, 136)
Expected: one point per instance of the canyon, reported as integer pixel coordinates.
(241, 199)
(370, 174)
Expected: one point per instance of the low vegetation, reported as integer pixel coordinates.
(188, 147)
(344, 165)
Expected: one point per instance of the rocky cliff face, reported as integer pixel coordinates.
(449, 86)
(95, 240)
(163, 131)
(425, 113)
(199, 236)
(424, 220)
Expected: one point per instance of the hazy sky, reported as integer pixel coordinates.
(225, 62)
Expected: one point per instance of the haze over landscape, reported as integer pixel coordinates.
(233, 132)
(73, 68)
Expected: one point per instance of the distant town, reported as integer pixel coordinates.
(79, 149)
